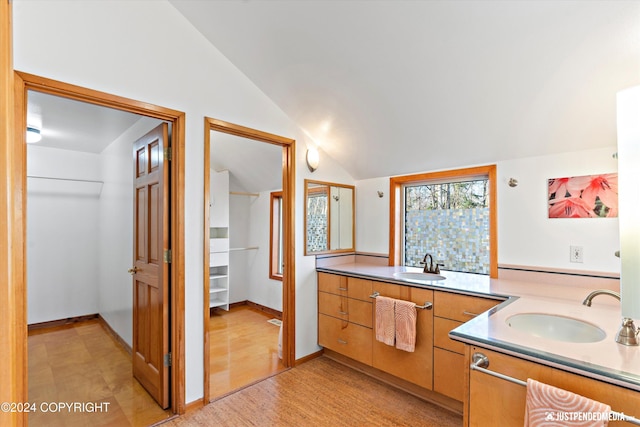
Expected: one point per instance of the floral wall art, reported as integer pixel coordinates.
(592, 196)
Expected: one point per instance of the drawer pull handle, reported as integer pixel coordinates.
(344, 313)
(468, 313)
(342, 289)
(341, 341)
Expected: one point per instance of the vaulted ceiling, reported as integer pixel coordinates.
(391, 87)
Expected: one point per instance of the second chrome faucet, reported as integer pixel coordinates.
(628, 333)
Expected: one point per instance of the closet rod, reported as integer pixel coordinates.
(66, 179)
(240, 193)
(244, 249)
(480, 362)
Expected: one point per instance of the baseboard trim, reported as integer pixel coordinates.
(270, 311)
(275, 313)
(107, 327)
(237, 304)
(61, 323)
(307, 358)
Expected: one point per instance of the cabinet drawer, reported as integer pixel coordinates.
(441, 328)
(460, 307)
(346, 338)
(332, 283)
(349, 309)
(349, 286)
(448, 373)
(359, 289)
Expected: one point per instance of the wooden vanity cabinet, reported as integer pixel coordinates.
(345, 316)
(494, 401)
(451, 311)
(415, 367)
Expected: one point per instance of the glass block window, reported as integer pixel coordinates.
(450, 221)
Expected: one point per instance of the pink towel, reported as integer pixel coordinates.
(405, 325)
(385, 323)
(551, 406)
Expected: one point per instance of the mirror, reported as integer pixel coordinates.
(329, 213)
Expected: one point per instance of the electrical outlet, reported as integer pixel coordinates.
(576, 254)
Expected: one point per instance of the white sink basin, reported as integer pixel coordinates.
(416, 275)
(556, 327)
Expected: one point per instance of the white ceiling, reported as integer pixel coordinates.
(74, 125)
(253, 166)
(79, 126)
(391, 87)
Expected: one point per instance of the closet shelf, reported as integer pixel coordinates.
(66, 186)
(218, 276)
(241, 193)
(65, 179)
(217, 290)
(217, 303)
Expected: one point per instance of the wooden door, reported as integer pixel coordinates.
(150, 270)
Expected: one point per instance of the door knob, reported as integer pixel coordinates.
(133, 270)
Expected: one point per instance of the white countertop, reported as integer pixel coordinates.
(605, 360)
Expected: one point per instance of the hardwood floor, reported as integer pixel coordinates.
(320, 392)
(243, 349)
(83, 363)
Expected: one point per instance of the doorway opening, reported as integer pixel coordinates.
(243, 167)
(174, 330)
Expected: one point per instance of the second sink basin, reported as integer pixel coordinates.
(416, 275)
(556, 327)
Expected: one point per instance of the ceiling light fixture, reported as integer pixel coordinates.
(313, 158)
(33, 135)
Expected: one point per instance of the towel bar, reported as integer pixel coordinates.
(427, 305)
(480, 362)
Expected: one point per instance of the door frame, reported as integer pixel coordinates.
(25, 82)
(13, 328)
(288, 201)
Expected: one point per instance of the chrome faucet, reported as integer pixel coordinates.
(628, 333)
(428, 267)
(592, 295)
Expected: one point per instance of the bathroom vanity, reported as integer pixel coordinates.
(470, 314)
(434, 371)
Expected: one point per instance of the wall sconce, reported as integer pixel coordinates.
(313, 158)
(33, 134)
(628, 126)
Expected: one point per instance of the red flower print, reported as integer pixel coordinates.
(570, 207)
(559, 187)
(584, 196)
(605, 187)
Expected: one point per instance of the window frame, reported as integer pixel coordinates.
(396, 207)
(275, 230)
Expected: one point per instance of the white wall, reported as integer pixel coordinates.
(526, 236)
(239, 237)
(62, 231)
(262, 289)
(115, 237)
(148, 51)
